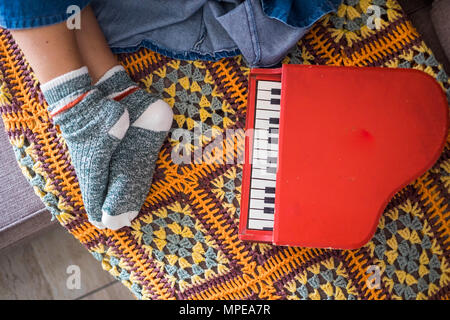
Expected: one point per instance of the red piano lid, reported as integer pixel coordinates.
(350, 139)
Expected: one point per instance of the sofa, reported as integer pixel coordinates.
(22, 213)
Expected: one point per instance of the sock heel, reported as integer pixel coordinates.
(157, 117)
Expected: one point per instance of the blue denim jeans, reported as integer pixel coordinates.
(23, 14)
(261, 30)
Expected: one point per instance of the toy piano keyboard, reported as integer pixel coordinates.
(327, 148)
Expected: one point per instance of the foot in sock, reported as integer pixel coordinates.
(92, 126)
(133, 162)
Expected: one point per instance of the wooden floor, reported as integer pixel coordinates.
(37, 269)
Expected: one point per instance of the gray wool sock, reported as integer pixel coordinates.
(92, 126)
(133, 162)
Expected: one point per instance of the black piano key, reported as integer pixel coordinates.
(273, 130)
(275, 91)
(274, 121)
(267, 229)
(271, 160)
(273, 140)
(271, 170)
(269, 210)
(270, 190)
(275, 101)
(269, 200)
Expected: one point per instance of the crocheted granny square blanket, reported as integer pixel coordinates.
(184, 243)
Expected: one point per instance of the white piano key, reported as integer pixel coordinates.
(265, 125)
(259, 154)
(263, 154)
(268, 144)
(267, 114)
(263, 160)
(264, 95)
(268, 85)
(262, 184)
(261, 134)
(263, 164)
(272, 144)
(261, 193)
(262, 140)
(263, 174)
(262, 149)
(265, 104)
(262, 124)
(259, 214)
(267, 149)
(260, 224)
(258, 193)
(260, 204)
(259, 159)
(259, 163)
(256, 204)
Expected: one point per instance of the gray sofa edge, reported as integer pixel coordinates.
(25, 228)
(440, 15)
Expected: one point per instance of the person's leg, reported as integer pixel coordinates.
(55, 50)
(95, 52)
(133, 162)
(91, 124)
(50, 50)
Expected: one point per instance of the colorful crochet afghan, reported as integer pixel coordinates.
(184, 244)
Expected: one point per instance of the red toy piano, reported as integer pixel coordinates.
(328, 147)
